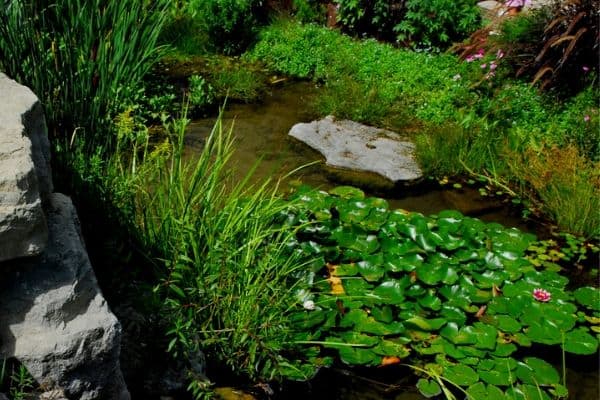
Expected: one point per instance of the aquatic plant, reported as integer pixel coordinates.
(448, 294)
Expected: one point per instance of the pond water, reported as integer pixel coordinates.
(261, 134)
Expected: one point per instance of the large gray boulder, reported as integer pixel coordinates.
(349, 145)
(25, 176)
(53, 318)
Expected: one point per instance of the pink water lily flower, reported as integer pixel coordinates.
(541, 295)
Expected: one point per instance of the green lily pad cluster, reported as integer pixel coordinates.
(448, 293)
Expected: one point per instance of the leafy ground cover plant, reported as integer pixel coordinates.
(470, 115)
(452, 295)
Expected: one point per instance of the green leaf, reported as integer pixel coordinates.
(348, 192)
(392, 348)
(579, 341)
(382, 314)
(358, 356)
(429, 388)
(506, 323)
(479, 391)
(370, 270)
(589, 297)
(431, 302)
(464, 335)
(390, 292)
(536, 371)
(461, 375)
(353, 211)
(426, 324)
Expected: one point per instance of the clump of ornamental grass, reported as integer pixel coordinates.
(225, 254)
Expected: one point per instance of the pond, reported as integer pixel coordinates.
(261, 134)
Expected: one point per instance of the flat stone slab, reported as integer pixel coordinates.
(350, 145)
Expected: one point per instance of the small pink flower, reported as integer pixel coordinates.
(493, 66)
(478, 56)
(586, 118)
(470, 58)
(541, 295)
(499, 54)
(490, 75)
(484, 65)
(585, 68)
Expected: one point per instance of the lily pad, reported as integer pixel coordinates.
(348, 192)
(429, 388)
(579, 341)
(536, 371)
(462, 375)
(390, 292)
(589, 297)
(481, 391)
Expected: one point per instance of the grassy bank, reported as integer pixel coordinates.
(466, 120)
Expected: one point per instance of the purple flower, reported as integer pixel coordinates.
(541, 295)
(517, 3)
(586, 118)
(585, 68)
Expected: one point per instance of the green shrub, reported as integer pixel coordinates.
(309, 11)
(231, 25)
(438, 23)
(374, 18)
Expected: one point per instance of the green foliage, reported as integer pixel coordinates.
(445, 289)
(84, 59)
(231, 25)
(200, 92)
(375, 18)
(225, 258)
(15, 380)
(438, 23)
(307, 11)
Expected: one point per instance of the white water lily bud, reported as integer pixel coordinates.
(309, 305)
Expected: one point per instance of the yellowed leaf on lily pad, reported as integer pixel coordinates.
(335, 282)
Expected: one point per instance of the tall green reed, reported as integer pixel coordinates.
(224, 251)
(83, 58)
